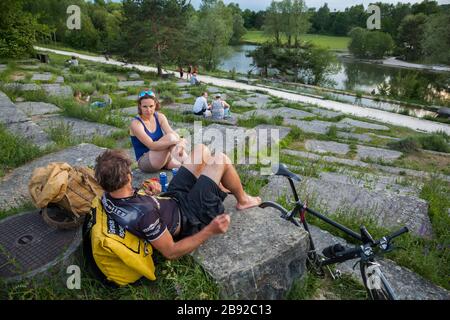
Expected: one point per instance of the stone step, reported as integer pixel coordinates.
(316, 126)
(362, 152)
(391, 184)
(363, 125)
(325, 113)
(286, 113)
(32, 108)
(385, 209)
(362, 164)
(224, 138)
(23, 86)
(14, 186)
(46, 76)
(259, 100)
(385, 155)
(79, 128)
(19, 124)
(354, 136)
(327, 147)
(57, 90)
(406, 284)
(258, 258)
(126, 84)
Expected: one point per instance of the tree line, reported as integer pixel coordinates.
(160, 32)
(173, 32)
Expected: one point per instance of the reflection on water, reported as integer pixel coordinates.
(350, 76)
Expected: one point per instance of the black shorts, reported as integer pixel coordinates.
(200, 200)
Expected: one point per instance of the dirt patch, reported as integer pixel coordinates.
(428, 162)
(18, 76)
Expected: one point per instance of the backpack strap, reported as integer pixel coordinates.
(88, 256)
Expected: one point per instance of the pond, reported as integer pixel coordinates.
(351, 75)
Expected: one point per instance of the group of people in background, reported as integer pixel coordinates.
(191, 74)
(218, 109)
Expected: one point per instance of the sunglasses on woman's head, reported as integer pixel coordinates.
(146, 93)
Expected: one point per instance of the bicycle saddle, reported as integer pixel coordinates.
(282, 170)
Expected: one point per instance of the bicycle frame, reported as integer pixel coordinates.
(370, 270)
(301, 209)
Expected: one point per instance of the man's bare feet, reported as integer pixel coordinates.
(250, 203)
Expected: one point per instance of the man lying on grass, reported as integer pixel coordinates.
(179, 221)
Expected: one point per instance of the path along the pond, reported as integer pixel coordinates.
(358, 111)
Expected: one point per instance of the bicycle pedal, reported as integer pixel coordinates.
(337, 274)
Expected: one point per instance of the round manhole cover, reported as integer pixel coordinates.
(28, 246)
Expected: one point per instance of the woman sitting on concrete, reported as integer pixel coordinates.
(155, 144)
(219, 108)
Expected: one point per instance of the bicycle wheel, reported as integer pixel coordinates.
(377, 286)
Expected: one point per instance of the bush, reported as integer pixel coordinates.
(408, 145)
(434, 142)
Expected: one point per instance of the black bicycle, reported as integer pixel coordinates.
(377, 286)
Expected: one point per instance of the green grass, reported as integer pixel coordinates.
(254, 121)
(183, 279)
(313, 287)
(15, 151)
(330, 42)
(27, 206)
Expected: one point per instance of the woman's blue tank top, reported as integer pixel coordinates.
(139, 148)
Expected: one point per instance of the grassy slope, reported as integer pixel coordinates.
(333, 43)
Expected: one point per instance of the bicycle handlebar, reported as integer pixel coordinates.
(397, 234)
(354, 252)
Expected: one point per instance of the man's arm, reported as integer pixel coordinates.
(174, 250)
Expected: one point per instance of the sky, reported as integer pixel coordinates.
(257, 5)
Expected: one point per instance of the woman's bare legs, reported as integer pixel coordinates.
(159, 159)
(221, 170)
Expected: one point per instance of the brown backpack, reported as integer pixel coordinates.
(71, 189)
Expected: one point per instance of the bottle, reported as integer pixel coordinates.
(163, 181)
(174, 172)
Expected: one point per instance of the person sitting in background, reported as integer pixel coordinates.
(73, 61)
(201, 104)
(155, 144)
(219, 108)
(79, 98)
(194, 79)
(101, 102)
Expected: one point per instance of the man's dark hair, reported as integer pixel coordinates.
(112, 168)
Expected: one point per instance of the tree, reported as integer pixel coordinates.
(238, 24)
(151, 30)
(273, 23)
(357, 45)
(210, 33)
(18, 30)
(378, 44)
(436, 39)
(321, 20)
(410, 34)
(263, 57)
(87, 38)
(369, 44)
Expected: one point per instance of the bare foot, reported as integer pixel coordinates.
(250, 203)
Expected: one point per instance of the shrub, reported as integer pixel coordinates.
(408, 145)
